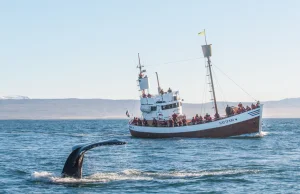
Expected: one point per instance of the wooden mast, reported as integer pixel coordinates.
(158, 86)
(207, 53)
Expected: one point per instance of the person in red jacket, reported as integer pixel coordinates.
(171, 123)
(207, 118)
(257, 104)
(193, 120)
(184, 122)
(145, 122)
(240, 105)
(217, 116)
(200, 119)
(174, 117)
(140, 122)
(243, 109)
(180, 123)
(248, 108)
(197, 119)
(134, 121)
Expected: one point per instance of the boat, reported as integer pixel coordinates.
(160, 110)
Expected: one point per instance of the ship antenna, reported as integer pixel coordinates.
(140, 66)
(158, 86)
(207, 53)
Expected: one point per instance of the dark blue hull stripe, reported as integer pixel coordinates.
(254, 113)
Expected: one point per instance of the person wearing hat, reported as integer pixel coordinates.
(257, 104)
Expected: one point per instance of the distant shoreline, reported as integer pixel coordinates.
(104, 109)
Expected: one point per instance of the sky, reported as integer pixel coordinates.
(88, 49)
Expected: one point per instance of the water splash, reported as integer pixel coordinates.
(136, 175)
(262, 134)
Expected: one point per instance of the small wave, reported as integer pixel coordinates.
(181, 174)
(256, 135)
(95, 178)
(262, 134)
(132, 174)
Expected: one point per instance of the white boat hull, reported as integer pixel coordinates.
(244, 123)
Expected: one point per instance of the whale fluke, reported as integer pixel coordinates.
(73, 165)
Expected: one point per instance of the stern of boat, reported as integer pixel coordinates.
(260, 119)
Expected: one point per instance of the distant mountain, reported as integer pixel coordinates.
(13, 97)
(18, 108)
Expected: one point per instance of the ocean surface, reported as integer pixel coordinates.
(33, 153)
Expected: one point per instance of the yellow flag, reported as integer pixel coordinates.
(202, 33)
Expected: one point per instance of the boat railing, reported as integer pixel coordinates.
(165, 123)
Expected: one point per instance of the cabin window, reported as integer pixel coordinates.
(170, 106)
(160, 102)
(153, 108)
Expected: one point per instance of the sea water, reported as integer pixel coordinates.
(33, 153)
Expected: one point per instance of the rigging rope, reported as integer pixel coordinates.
(204, 91)
(221, 90)
(235, 82)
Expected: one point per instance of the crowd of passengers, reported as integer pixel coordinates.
(174, 121)
(240, 109)
(144, 95)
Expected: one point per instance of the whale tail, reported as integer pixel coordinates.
(73, 165)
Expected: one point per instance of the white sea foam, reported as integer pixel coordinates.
(181, 174)
(252, 135)
(263, 133)
(132, 174)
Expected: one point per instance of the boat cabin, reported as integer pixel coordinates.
(160, 106)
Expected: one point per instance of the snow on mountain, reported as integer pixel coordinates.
(16, 97)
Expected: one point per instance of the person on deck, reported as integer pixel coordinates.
(143, 94)
(239, 110)
(253, 106)
(134, 121)
(240, 105)
(217, 116)
(140, 122)
(171, 123)
(169, 90)
(207, 118)
(257, 104)
(248, 108)
(141, 75)
(193, 120)
(175, 123)
(161, 92)
(243, 109)
(145, 122)
(174, 117)
(200, 119)
(154, 122)
(184, 121)
(229, 111)
(180, 123)
(165, 123)
(149, 95)
(197, 119)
